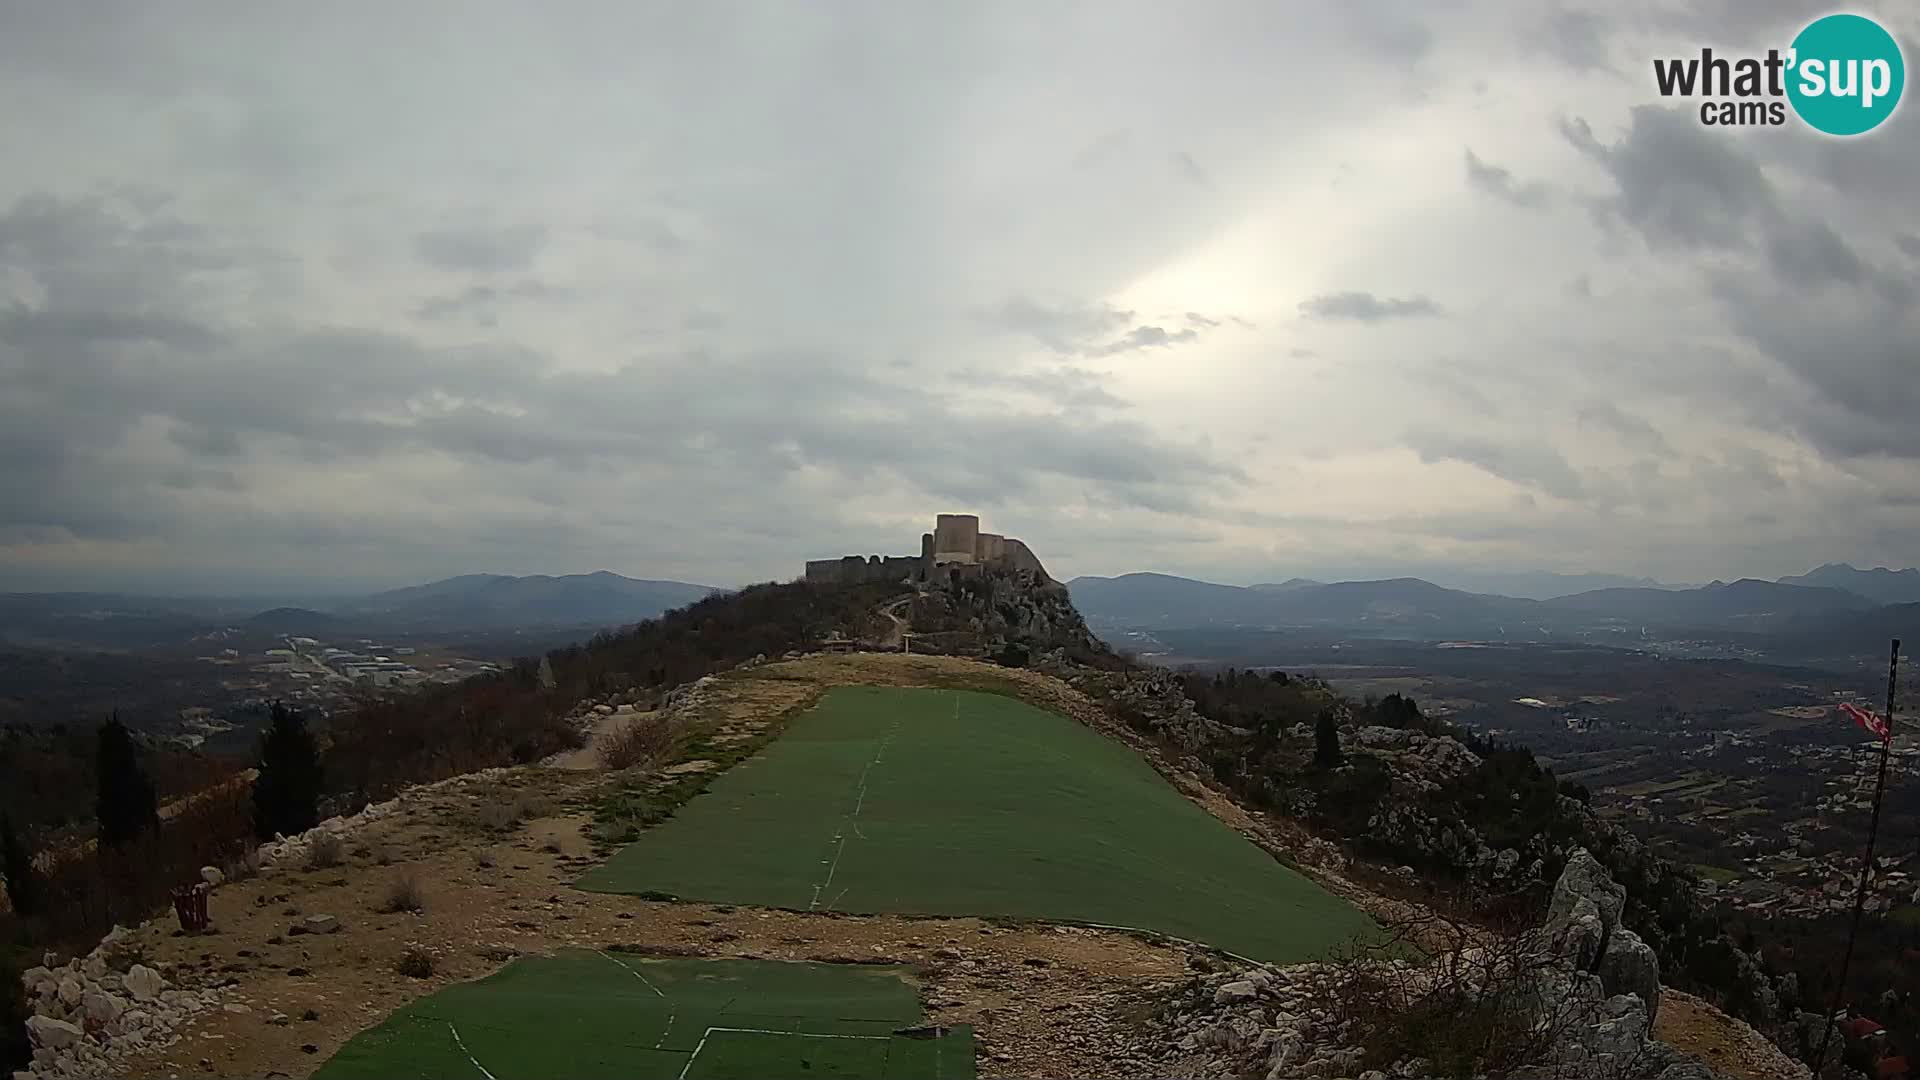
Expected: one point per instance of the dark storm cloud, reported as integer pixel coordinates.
(235, 405)
(1680, 185)
(1500, 184)
(1535, 466)
(1368, 308)
(479, 249)
(1797, 289)
(1908, 243)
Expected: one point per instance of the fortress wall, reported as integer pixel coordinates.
(854, 569)
(956, 535)
(991, 546)
(1019, 556)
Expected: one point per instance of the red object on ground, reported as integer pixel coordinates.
(1892, 1068)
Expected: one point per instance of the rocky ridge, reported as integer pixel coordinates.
(1592, 985)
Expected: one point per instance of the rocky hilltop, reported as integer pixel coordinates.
(1524, 938)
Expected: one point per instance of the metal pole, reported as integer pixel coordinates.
(1866, 864)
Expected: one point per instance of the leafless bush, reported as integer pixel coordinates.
(1482, 1007)
(644, 740)
(530, 805)
(242, 866)
(414, 962)
(498, 811)
(501, 809)
(325, 851)
(404, 894)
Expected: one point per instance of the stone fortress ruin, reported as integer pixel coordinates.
(956, 548)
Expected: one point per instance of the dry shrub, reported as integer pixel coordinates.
(498, 811)
(502, 809)
(404, 893)
(325, 851)
(1474, 1009)
(243, 866)
(414, 962)
(644, 740)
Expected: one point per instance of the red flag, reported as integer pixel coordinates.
(1872, 721)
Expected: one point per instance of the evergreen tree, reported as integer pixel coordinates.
(16, 1051)
(17, 863)
(1326, 740)
(286, 794)
(124, 800)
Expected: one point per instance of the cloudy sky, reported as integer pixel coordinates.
(364, 294)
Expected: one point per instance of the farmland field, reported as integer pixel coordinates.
(942, 802)
(595, 1015)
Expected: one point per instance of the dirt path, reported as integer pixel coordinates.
(898, 633)
(604, 724)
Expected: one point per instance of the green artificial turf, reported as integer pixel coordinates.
(616, 1016)
(943, 802)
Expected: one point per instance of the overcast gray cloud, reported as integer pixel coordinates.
(363, 296)
(1368, 308)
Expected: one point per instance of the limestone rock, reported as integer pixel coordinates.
(144, 983)
(213, 876)
(320, 924)
(101, 1007)
(71, 990)
(1629, 967)
(52, 1034)
(1584, 878)
(1235, 992)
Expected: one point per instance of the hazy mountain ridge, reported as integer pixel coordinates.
(1879, 584)
(1418, 608)
(470, 602)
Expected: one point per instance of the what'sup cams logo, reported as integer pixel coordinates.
(1842, 75)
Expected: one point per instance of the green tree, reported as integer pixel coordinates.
(1326, 740)
(17, 863)
(124, 801)
(286, 793)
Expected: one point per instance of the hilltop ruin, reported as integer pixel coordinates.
(955, 549)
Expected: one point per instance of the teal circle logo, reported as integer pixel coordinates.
(1846, 76)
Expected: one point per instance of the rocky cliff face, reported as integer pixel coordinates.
(997, 608)
(1579, 995)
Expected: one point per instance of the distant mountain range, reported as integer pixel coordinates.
(1881, 584)
(467, 604)
(497, 600)
(1414, 608)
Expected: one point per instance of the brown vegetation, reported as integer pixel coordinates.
(644, 740)
(414, 962)
(404, 894)
(324, 852)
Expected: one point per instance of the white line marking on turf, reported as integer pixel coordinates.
(701, 1045)
(463, 1049)
(672, 1013)
(853, 819)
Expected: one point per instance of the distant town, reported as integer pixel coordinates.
(321, 676)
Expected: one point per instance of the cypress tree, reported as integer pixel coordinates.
(124, 801)
(17, 863)
(286, 794)
(1326, 740)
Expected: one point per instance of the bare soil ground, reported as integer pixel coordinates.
(1696, 1027)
